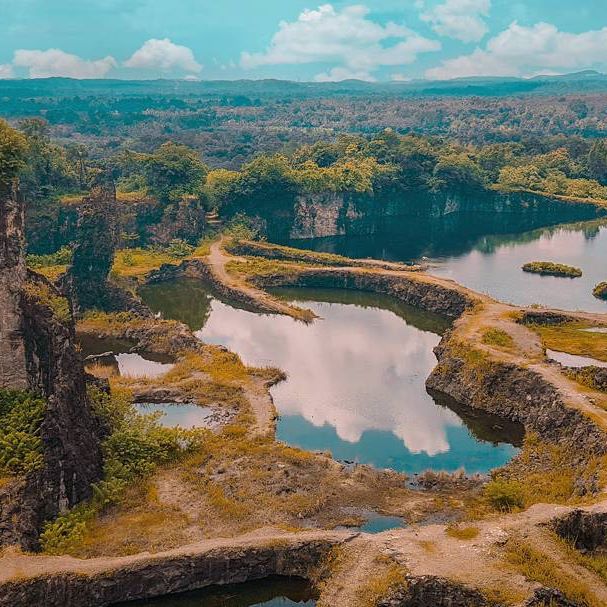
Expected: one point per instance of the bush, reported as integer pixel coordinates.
(62, 257)
(549, 268)
(600, 291)
(504, 495)
(137, 444)
(21, 416)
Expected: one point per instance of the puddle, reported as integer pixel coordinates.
(184, 415)
(575, 361)
(375, 522)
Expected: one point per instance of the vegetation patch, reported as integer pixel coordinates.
(543, 473)
(462, 532)
(574, 338)
(21, 448)
(539, 567)
(388, 577)
(48, 297)
(600, 291)
(135, 447)
(497, 337)
(53, 265)
(138, 263)
(549, 268)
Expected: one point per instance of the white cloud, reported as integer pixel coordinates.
(164, 56)
(337, 74)
(344, 37)
(6, 71)
(55, 62)
(460, 19)
(524, 51)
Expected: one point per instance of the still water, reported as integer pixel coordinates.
(356, 378)
(271, 592)
(492, 263)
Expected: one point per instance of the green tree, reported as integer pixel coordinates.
(597, 161)
(13, 149)
(173, 171)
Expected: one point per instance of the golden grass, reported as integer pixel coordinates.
(573, 339)
(595, 562)
(539, 567)
(140, 522)
(101, 371)
(46, 296)
(387, 577)
(460, 532)
(138, 263)
(52, 273)
(497, 337)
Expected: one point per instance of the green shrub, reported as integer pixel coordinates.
(46, 296)
(600, 291)
(62, 257)
(549, 268)
(21, 416)
(504, 495)
(137, 444)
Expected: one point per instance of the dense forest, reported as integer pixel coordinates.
(230, 122)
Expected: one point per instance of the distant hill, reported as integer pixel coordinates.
(581, 82)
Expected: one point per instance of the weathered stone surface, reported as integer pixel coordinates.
(43, 360)
(13, 372)
(433, 591)
(517, 393)
(157, 576)
(586, 530)
(409, 213)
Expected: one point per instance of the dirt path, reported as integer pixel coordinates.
(423, 551)
(217, 261)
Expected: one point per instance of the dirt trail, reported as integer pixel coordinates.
(217, 260)
(422, 551)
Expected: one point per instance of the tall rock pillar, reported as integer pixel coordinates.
(13, 368)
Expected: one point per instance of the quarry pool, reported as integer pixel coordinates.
(491, 263)
(356, 378)
(271, 592)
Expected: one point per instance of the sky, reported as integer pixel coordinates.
(306, 40)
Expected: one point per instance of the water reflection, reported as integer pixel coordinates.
(107, 357)
(491, 263)
(182, 415)
(269, 592)
(575, 361)
(356, 381)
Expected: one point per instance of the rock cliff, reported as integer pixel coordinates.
(39, 355)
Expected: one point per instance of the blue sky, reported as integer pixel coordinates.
(300, 39)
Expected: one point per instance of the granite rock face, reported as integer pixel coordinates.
(42, 358)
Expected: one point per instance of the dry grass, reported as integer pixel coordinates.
(539, 567)
(387, 577)
(138, 263)
(460, 532)
(574, 339)
(140, 522)
(498, 338)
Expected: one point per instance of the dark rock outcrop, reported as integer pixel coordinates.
(548, 597)
(46, 358)
(515, 392)
(86, 282)
(586, 530)
(426, 591)
(161, 575)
